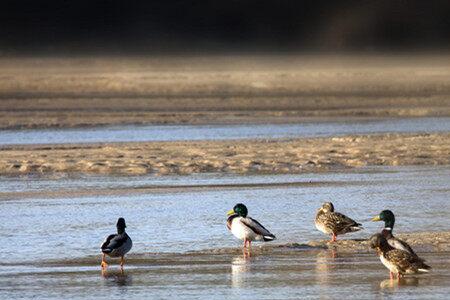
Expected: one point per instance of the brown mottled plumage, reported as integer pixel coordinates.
(397, 261)
(330, 222)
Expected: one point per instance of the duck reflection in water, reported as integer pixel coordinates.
(324, 266)
(116, 277)
(240, 270)
(404, 281)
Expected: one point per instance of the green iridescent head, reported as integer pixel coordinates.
(239, 209)
(388, 217)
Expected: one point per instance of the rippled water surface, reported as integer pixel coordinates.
(139, 133)
(50, 241)
(293, 275)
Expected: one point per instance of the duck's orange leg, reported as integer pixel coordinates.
(333, 238)
(104, 264)
(391, 275)
(122, 262)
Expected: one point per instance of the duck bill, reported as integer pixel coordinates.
(376, 219)
(230, 212)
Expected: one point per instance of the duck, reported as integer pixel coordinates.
(330, 222)
(389, 220)
(397, 261)
(116, 245)
(245, 228)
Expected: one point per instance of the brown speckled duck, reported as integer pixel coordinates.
(398, 262)
(330, 222)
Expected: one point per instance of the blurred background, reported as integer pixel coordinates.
(83, 63)
(142, 27)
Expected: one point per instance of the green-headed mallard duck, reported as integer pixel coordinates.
(246, 228)
(117, 245)
(397, 261)
(389, 220)
(330, 222)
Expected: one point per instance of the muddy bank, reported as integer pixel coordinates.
(420, 241)
(238, 156)
(71, 92)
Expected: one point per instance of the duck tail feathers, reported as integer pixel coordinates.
(424, 268)
(357, 227)
(268, 238)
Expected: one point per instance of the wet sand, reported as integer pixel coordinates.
(235, 156)
(420, 241)
(74, 92)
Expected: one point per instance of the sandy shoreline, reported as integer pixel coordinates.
(420, 241)
(428, 241)
(234, 156)
(74, 92)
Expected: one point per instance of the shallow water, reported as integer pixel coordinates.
(50, 245)
(141, 133)
(190, 213)
(294, 275)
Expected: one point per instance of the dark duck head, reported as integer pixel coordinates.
(239, 209)
(379, 242)
(121, 225)
(388, 217)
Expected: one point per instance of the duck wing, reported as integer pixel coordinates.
(400, 245)
(107, 241)
(113, 241)
(340, 223)
(405, 261)
(257, 228)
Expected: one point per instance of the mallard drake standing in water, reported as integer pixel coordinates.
(330, 222)
(117, 245)
(389, 220)
(397, 261)
(246, 228)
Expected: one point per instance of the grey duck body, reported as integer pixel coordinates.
(117, 245)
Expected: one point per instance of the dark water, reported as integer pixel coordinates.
(50, 245)
(139, 133)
